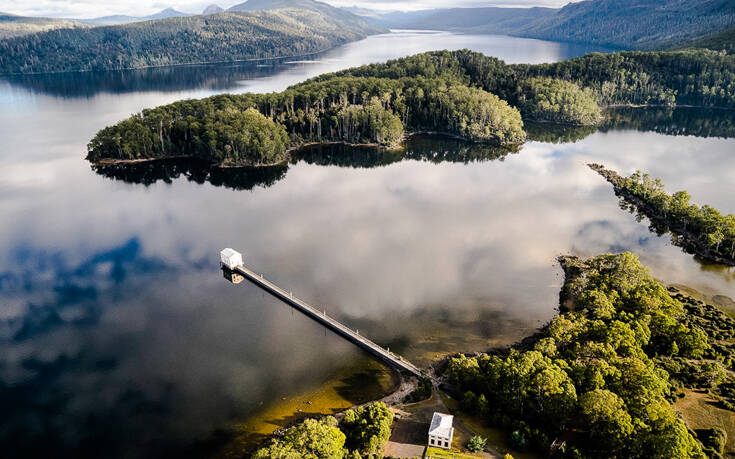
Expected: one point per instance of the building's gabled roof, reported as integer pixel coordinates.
(441, 425)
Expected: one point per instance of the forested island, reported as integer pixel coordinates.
(703, 230)
(262, 129)
(461, 93)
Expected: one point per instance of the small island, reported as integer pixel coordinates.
(251, 130)
(461, 94)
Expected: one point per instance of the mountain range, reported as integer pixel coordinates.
(633, 24)
(300, 27)
(123, 19)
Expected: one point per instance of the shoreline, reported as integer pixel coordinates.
(188, 64)
(680, 236)
(111, 162)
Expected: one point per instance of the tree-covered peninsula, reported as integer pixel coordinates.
(703, 230)
(460, 93)
(600, 379)
(260, 129)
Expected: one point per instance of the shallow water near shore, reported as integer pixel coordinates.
(119, 335)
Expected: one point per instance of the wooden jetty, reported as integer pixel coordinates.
(392, 360)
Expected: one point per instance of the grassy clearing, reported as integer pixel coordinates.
(442, 453)
(699, 412)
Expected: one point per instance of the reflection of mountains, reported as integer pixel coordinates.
(168, 79)
(421, 148)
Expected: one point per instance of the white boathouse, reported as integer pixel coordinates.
(230, 258)
(441, 431)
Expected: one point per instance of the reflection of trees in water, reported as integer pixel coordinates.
(440, 149)
(682, 121)
(178, 78)
(432, 148)
(168, 170)
(557, 133)
(343, 155)
(423, 148)
(689, 121)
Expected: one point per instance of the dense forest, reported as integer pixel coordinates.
(461, 93)
(691, 77)
(704, 230)
(343, 109)
(363, 432)
(595, 378)
(352, 109)
(219, 37)
(721, 41)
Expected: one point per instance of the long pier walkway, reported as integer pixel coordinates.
(384, 355)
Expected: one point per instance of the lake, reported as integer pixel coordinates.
(119, 335)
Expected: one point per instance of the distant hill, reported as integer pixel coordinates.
(123, 19)
(638, 24)
(491, 19)
(634, 24)
(306, 5)
(393, 19)
(227, 36)
(212, 9)
(18, 26)
(722, 41)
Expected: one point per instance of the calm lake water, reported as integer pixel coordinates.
(120, 337)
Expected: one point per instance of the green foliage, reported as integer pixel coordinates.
(690, 77)
(476, 444)
(422, 392)
(607, 348)
(367, 428)
(608, 420)
(310, 439)
(342, 109)
(183, 40)
(720, 41)
(372, 121)
(714, 438)
(705, 229)
(558, 101)
(460, 93)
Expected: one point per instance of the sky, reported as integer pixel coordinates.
(96, 8)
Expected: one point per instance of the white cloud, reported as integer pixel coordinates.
(95, 8)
